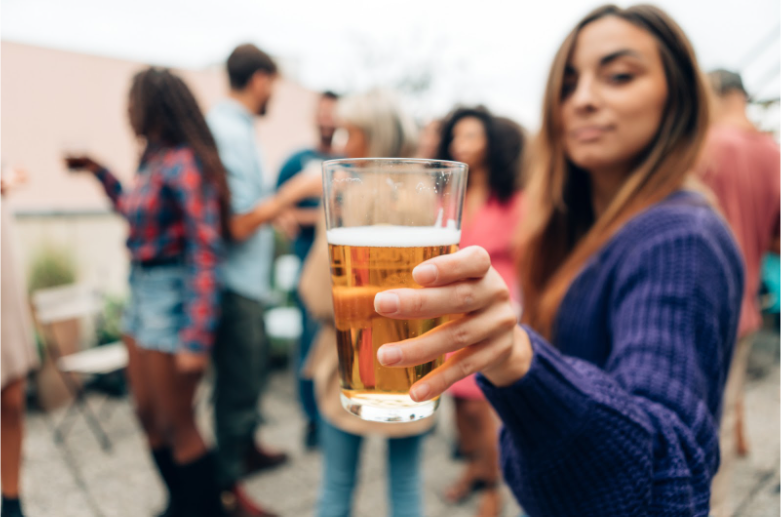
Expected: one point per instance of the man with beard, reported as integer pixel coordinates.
(241, 347)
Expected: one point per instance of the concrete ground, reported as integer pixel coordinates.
(122, 483)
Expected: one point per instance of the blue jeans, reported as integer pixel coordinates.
(306, 388)
(341, 452)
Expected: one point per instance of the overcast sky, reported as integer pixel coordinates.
(488, 51)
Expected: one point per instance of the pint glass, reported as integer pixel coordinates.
(385, 216)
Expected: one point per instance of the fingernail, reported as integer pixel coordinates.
(389, 355)
(386, 303)
(425, 274)
(420, 393)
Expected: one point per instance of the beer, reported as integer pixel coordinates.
(364, 261)
(384, 216)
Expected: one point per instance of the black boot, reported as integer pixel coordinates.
(200, 496)
(11, 507)
(164, 460)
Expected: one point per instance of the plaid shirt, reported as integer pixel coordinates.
(172, 214)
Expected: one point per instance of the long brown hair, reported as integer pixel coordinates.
(561, 231)
(165, 112)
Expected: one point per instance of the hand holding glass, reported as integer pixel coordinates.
(384, 217)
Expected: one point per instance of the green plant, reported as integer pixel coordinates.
(51, 267)
(109, 329)
(282, 245)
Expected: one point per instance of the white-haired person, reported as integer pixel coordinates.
(375, 127)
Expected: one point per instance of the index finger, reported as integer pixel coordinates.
(469, 263)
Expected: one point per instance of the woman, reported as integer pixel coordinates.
(375, 127)
(610, 392)
(178, 215)
(491, 147)
(19, 356)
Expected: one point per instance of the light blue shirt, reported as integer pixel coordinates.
(247, 270)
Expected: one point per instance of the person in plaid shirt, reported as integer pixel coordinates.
(174, 218)
(177, 212)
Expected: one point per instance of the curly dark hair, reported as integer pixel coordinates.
(506, 142)
(164, 111)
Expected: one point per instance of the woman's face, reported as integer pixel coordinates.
(356, 145)
(615, 90)
(469, 143)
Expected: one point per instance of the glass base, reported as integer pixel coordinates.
(384, 407)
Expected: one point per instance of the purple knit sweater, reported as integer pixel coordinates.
(620, 416)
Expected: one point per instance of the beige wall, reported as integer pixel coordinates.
(52, 99)
(96, 243)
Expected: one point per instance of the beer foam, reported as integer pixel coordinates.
(382, 236)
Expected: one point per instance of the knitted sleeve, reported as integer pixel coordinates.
(638, 437)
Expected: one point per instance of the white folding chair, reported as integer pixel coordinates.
(283, 323)
(65, 303)
(286, 271)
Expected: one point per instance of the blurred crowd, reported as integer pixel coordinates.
(202, 219)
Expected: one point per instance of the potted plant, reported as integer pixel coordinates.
(53, 267)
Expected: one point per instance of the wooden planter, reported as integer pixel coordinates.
(51, 389)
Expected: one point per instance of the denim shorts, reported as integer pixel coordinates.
(155, 313)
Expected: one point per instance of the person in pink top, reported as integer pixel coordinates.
(741, 166)
(492, 147)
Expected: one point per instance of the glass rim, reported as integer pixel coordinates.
(445, 164)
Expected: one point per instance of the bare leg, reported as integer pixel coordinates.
(470, 413)
(466, 438)
(11, 431)
(740, 428)
(138, 373)
(174, 392)
(174, 397)
(487, 459)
